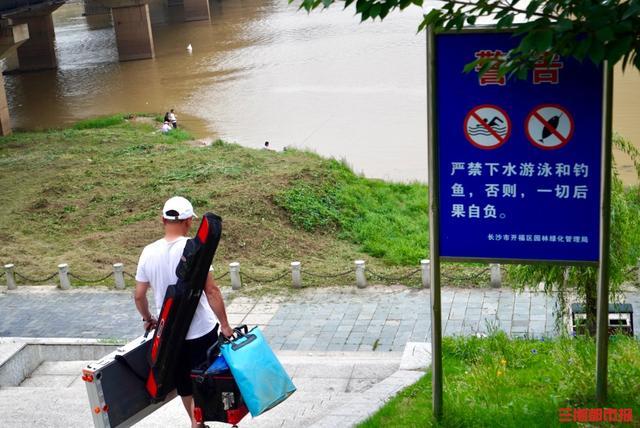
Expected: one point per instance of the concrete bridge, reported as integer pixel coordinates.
(26, 27)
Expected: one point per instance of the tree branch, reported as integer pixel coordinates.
(502, 6)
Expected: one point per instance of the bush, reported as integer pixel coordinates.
(388, 220)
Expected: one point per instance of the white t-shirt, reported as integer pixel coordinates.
(157, 266)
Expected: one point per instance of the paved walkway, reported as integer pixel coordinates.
(378, 319)
(342, 346)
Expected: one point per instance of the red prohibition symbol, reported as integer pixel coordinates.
(487, 126)
(549, 126)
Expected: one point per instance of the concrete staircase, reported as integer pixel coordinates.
(55, 396)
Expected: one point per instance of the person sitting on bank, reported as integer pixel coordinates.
(173, 119)
(166, 127)
(266, 146)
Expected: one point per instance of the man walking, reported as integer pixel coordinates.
(157, 269)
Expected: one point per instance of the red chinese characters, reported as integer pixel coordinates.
(547, 70)
(491, 76)
(599, 414)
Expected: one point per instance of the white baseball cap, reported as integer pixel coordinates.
(178, 208)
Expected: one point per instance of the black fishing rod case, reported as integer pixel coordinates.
(179, 306)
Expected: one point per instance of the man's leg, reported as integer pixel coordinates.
(188, 405)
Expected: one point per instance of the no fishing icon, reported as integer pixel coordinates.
(487, 126)
(549, 126)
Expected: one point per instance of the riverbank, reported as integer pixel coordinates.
(90, 196)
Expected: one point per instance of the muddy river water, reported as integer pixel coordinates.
(262, 70)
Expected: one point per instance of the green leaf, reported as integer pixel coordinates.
(632, 10)
(563, 25)
(471, 66)
(532, 7)
(505, 21)
(375, 10)
(582, 48)
(458, 21)
(431, 18)
(521, 73)
(596, 53)
(543, 40)
(617, 48)
(605, 34)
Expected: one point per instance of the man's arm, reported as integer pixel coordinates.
(214, 297)
(142, 304)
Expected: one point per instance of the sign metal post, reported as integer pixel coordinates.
(602, 332)
(434, 230)
(519, 171)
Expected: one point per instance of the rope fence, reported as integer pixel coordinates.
(297, 275)
(264, 280)
(218, 278)
(393, 279)
(466, 278)
(91, 281)
(29, 280)
(329, 275)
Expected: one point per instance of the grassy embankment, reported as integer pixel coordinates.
(497, 382)
(91, 196)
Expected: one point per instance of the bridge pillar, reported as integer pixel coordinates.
(95, 7)
(133, 32)
(11, 37)
(39, 52)
(196, 10)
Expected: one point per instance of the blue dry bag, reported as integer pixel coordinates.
(261, 378)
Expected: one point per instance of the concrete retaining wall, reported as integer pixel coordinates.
(23, 358)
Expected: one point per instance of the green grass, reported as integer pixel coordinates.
(100, 122)
(387, 220)
(91, 196)
(497, 382)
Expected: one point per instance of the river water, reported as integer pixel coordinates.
(261, 70)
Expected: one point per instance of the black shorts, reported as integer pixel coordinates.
(192, 354)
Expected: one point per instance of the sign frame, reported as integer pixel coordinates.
(434, 224)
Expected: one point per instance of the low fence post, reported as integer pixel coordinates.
(118, 275)
(11, 279)
(234, 274)
(63, 275)
(496, 275)
(426, 273)
(361, 277)
(296, 275)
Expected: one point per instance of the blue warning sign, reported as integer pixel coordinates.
(519, 159)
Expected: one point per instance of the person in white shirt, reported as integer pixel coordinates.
(166, 127)
(157, 269)
(173, 119)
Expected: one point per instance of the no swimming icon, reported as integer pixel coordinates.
(487, 126)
